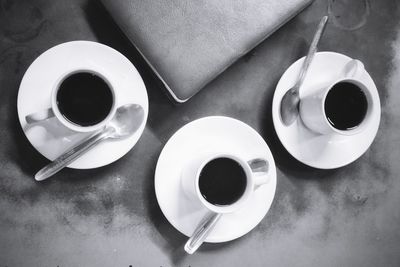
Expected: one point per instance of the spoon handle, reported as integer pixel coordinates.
(201, 232)
(66, 158)
(311, 52)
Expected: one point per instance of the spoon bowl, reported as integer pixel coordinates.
(290, 102)
(126, 121)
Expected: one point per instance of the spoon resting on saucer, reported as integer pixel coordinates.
(201, 232)
(205, 226)
(290, 102)
(126, 121)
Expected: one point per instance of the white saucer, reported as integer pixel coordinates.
(322, 151)
(50, 137)
(211, 133)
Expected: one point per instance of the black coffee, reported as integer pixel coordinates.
(222, 181)
(84, 99)
(345, 106)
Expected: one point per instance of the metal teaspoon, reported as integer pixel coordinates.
(290, 101)
(125, 122)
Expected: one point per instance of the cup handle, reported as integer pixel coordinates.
(39, 116)
(353, 69)
(260, 170)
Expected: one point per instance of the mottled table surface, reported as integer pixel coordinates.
(110, 217)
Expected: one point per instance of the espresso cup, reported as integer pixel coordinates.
(223, 182)
(343, 107)
(82, 100)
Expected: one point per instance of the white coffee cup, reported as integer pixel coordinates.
(312, 106)
(54, 111)
(256, 172)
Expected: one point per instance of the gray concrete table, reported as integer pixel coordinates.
(110, 217)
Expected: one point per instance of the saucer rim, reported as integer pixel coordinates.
(157, 176)
(111, 53)
(276, 118)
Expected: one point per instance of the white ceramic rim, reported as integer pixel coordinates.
(238, 203)
(71, 125)
(357, 129)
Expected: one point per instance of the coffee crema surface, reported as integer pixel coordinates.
(84, 99)
(222, 181)
(345, 106)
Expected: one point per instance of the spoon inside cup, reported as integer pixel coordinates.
(126, 121)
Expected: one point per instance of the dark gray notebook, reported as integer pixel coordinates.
(189, 42)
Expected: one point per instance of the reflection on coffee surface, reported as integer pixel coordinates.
(345, 106)
(222, 181)
(84, 99)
